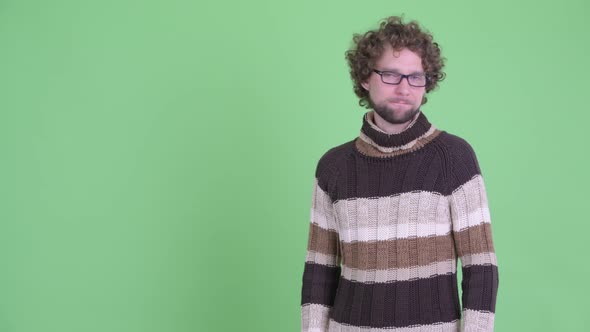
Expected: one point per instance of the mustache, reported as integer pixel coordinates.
(399, 100)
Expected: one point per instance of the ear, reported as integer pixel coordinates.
(365, 85)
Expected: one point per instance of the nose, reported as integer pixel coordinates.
(403, 88)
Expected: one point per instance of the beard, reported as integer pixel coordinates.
(390, 115)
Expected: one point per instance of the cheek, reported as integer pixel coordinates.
(377, 95)
(378, 92)
(419, 97)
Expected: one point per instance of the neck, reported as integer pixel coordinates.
(383, 141)
(388, 127)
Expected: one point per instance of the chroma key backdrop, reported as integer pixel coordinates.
(158, 157)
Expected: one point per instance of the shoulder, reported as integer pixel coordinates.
(455, 144)
(462, 158)
(331, 162)
(335, 157)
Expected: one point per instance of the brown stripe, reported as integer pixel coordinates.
(322, 240)
(369, 150)
(474, 240)
(400, 253)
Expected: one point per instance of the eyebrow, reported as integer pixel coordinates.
(397, 71)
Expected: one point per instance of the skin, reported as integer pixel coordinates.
(395, 106)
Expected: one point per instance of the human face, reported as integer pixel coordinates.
(396, 104)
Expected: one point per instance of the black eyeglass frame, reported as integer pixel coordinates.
(407, 77)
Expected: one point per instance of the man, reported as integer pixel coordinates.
(394, 209)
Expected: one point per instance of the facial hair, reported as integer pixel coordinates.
(389, 115)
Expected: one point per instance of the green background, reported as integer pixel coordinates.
(158, 156)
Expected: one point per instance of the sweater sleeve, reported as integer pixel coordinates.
(322, 264)
(472, 235)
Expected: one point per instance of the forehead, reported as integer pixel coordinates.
(402, 60)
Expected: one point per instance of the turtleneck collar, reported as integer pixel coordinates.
(375, 142)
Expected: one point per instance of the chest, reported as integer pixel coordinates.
(390, 200)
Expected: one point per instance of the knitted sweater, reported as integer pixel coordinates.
(390, 216)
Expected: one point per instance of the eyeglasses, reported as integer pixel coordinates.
(390, 77)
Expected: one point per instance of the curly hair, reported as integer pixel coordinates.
(369, 47)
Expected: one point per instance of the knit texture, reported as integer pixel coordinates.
(390, 216)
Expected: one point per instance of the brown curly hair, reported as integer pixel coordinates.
(368, 48)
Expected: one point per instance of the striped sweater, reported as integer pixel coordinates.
(390, 216)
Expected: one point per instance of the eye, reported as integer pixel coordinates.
(391, 74)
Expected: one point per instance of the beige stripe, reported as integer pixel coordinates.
(469, 204)
(323, 259)
(474, 240)
(487, 258)
(406, 146)
(367, 146)
(314, 317)
(401, 253)
(322, 240)
(322, 209)
(477, 321)
(438, 327)
(411, 273)
(413, 214)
